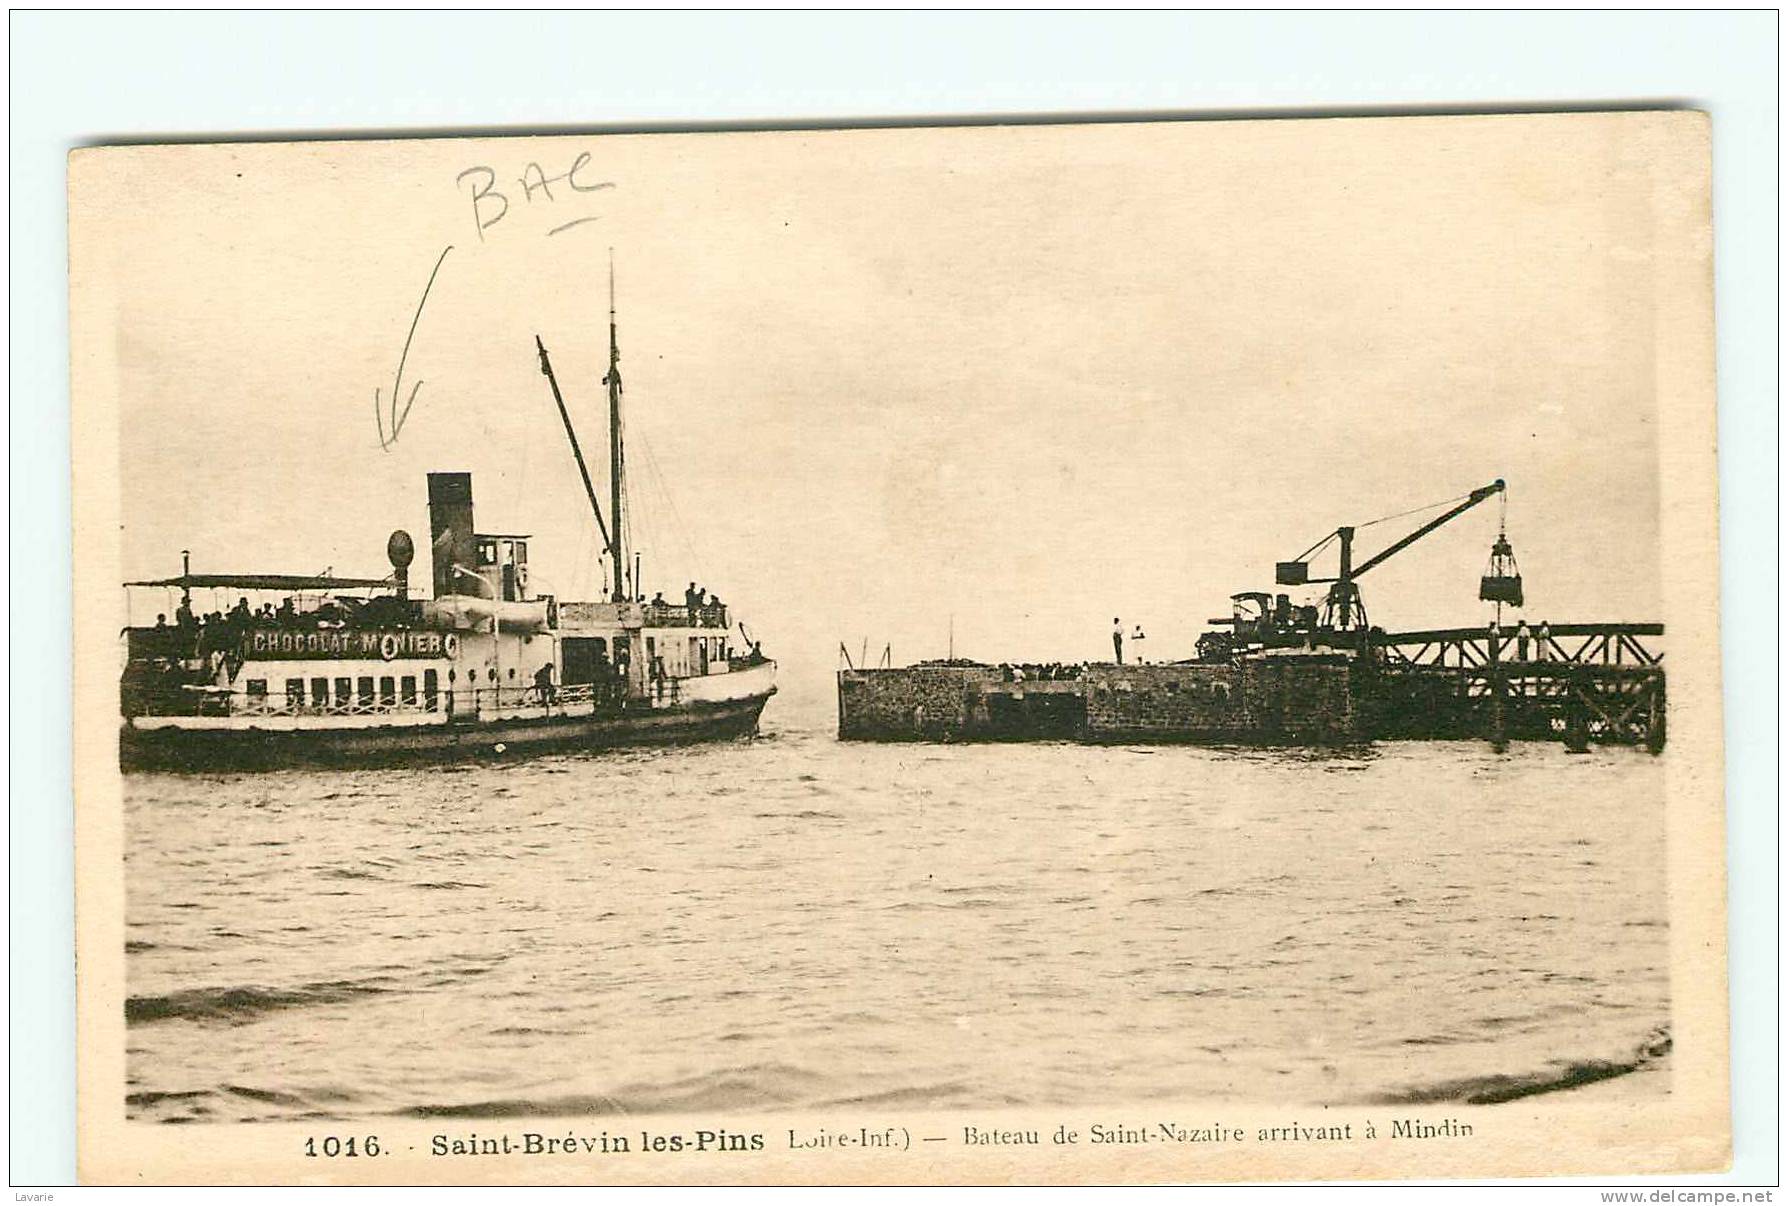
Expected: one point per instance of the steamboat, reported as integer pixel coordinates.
(320, 668)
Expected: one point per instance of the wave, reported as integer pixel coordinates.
(1495, 1088)
(241, 1003)
(935, 1097)
(347, 873)
(573, 1106)
(152, 1098)
(756, 1086)
(269, 1096)
(235, 1103)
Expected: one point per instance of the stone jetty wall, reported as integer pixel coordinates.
(914, 703)
(1290, 699)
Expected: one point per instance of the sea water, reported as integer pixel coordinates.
(790, 922)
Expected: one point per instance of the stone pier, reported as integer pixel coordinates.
(1297, 699)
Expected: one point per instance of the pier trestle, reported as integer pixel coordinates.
(1576, 683)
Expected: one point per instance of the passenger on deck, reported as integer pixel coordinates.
(161, 621)
(1543, 643)
(1117, 639)
(691, 600)
(183, 615)
(658, 599)
(287, 613)
(240, 614)
(543, 683)
(1522, 638)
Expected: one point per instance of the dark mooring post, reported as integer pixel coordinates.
(1576, 729)
(1576, 722)
(1344, 580)
(1499, 720)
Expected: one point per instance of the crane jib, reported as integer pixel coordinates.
(1297, 572)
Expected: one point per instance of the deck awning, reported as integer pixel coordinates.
(287, 582)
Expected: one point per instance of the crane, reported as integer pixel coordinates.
(1342, 608)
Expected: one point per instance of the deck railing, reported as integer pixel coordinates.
(465, 701)
(677, 615)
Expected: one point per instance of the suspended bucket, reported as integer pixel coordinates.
(1501, 582)
(1500, 588)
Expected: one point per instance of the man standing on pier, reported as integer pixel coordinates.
(1117, 639)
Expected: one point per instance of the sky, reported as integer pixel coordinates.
(900, 388)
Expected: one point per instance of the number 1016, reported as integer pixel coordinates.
(331, 1146)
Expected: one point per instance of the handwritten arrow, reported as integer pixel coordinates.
(397, 420)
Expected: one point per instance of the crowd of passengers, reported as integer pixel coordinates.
(242, 617)
(705, 610)
(1047, 672)
(199, 632)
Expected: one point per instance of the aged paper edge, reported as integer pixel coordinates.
(1550, 1135)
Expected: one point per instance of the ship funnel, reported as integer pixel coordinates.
(451, 537)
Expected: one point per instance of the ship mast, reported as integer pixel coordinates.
(616, 462)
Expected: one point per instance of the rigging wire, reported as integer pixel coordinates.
(680, 529)
(1324, 542)
(656, 490)
(1317, 547)
(623, 572)
(1414, 510)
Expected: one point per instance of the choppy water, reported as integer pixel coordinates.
(791, 922)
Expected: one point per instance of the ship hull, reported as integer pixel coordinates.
(205, 750)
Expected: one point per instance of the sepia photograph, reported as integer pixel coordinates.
(1056, 652)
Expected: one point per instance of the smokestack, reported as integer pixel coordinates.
(451, 537)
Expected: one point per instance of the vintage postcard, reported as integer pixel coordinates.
(1119, 652)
